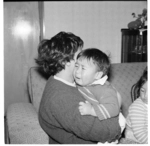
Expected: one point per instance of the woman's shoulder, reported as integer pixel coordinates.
(59, 87)
(56, 83)
(56, 89)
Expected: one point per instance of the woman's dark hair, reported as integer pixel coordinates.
(54, 53)
(98, 57)
(135, 90)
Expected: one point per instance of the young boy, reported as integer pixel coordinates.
(90, 73)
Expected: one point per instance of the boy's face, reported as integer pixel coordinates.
(85, 72)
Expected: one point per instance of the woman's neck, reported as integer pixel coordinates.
(65, 75)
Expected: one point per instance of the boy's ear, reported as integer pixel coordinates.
(98, 75)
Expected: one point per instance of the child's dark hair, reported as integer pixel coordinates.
(98, 57)
(136, 87)
(54, 53)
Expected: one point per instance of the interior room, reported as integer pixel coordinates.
(101, 24)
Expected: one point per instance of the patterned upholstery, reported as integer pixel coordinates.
(23, 125)
(123, 77)
(22, 120)
(36, 84)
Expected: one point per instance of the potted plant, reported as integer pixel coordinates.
(140, 21)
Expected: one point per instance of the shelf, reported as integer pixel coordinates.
(134, 45)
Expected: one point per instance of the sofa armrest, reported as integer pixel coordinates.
(23, 125)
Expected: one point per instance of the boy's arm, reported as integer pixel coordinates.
(106, 107)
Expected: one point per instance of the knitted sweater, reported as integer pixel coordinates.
(137, 122)
(60, 118)
(103, 99)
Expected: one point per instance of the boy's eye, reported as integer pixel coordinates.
(83, 68)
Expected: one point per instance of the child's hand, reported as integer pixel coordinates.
(85, 108)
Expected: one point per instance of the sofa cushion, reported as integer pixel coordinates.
(123, 76)
(36, 84)
(23, 125)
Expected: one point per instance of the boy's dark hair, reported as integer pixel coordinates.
(54, 53)
(135, 90)
(98, 57)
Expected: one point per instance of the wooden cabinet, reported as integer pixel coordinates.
(134, 45)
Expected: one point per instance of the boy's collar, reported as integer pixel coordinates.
(101, 81)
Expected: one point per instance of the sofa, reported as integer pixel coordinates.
(22, 118)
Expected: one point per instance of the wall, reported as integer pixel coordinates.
(21, 37)
(98, 23)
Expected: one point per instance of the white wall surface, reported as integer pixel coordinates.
(98, 23)
(21, 38)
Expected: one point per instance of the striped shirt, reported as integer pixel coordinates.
(137, 122)
(103, 99)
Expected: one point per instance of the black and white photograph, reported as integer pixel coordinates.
(75, 72)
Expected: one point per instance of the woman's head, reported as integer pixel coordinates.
(53, 54)
(92, 64)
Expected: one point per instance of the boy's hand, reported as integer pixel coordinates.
(85, 108)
